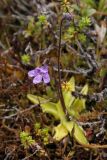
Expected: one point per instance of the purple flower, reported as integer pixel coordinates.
(40, 74)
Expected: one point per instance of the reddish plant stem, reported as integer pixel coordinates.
(59, 73)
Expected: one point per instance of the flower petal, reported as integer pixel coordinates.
(31, 73)
(37, 79)
(44, 69)
(46, 78)
(37, 70)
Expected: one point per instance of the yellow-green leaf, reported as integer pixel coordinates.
(47, 107)
(60, 132)
(60, 112)
(69, 126)
(79, 134)
(84, 90)
(79, 104)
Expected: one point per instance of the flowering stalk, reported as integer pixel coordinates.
(59, 73)
(66, 16)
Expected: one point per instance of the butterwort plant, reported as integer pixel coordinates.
(40, 74)
(67, 102)
(74, 108)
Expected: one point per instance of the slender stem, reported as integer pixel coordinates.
(78, 2)
(59, 73)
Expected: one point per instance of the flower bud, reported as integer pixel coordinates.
(67, 16)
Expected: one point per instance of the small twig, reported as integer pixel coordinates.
(88, 57)
(23, 111)
(89, 123)
(93, 146)
(100, 13)
(98, 97)
(9, 154)
(27, 158)
(39, 148)
(78, 71)
(20, 112)
(102, 129)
